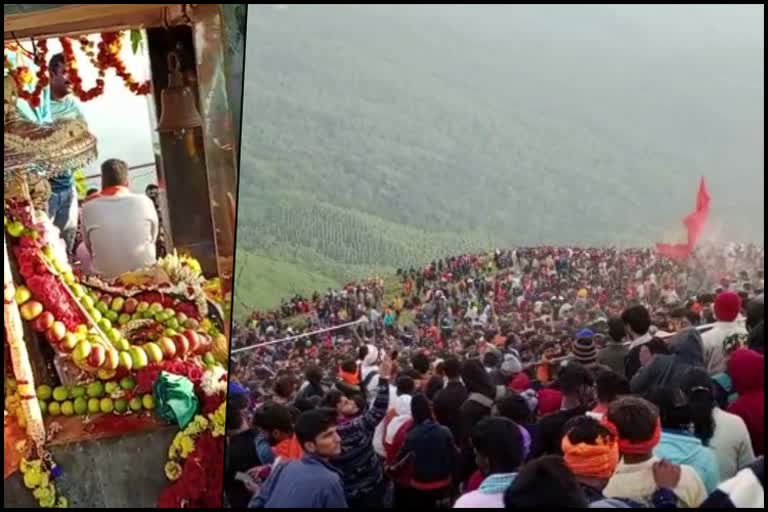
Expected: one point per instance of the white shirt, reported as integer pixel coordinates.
(120, 233)
(635, 482)
(715, 356)
(731, 443)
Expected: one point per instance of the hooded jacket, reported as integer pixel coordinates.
(680, 448)
(397, 416)
(668, 369)
(747, 371)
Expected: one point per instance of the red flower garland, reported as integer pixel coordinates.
(108, 56)
(74, 77)
(40, 59)
(146, 377)
(110, 45)
(201, 481)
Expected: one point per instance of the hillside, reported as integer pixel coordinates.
(381, 136)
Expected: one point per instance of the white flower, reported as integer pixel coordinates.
(214, 381)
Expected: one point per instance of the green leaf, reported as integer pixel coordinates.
(136, 41)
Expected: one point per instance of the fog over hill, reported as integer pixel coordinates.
(378, 136)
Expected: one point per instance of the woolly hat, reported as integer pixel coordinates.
(727, 306)
(585, 351)
(511, 365)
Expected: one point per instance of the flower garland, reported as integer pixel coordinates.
(74, 77)
(40, 480)
(111, 45)
(24, 77)
(196, 464)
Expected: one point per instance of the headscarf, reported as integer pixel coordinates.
(592, 460)
(629, 447)
(372, 357)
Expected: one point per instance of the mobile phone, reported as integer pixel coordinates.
(245, 478)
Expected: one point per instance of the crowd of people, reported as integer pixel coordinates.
(526, 377)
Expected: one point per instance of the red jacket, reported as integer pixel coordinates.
(747, 371)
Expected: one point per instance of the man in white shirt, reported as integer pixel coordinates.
(727, 335)
(119, 227)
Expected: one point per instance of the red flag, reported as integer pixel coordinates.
(678, 252)
(694, 223)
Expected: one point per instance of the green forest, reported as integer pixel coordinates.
(376, 137)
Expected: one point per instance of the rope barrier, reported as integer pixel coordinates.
(299, 336)
(662, 335)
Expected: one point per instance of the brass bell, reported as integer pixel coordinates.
(178, 105)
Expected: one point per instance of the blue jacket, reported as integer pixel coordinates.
(307, 483)
(684, 448)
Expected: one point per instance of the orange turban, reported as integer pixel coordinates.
(592, 460)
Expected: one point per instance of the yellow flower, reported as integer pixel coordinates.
(187, 446)
(62, 502)
(219, 418)
(202, 421)
(172, 451)
(46, 496)
(26, 77)
(172, 470)
(193, 264)
(33, 478)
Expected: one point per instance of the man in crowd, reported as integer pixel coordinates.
(727, 335)
(311, 482)
(636, 423)
(119, 227)
(62, 205)
(498, 444)
(578, 388)
(615, 353)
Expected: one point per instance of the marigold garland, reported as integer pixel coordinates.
(23, 76)
(107, 56)
(74, 77)
(40, 480)
(110, 46)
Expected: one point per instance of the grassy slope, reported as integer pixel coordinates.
(263, 281)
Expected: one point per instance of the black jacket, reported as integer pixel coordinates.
(432, 451)
(656, 345)
(447, 404)
(549, 432)
(669, 369)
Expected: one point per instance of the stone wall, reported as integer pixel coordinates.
(113, 473)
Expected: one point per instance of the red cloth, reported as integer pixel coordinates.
(629, 447)
(550, 401)
(694, 223)
(475, 481)
(520, 382)
(747, 371)
(289, 449)
(117, 190)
